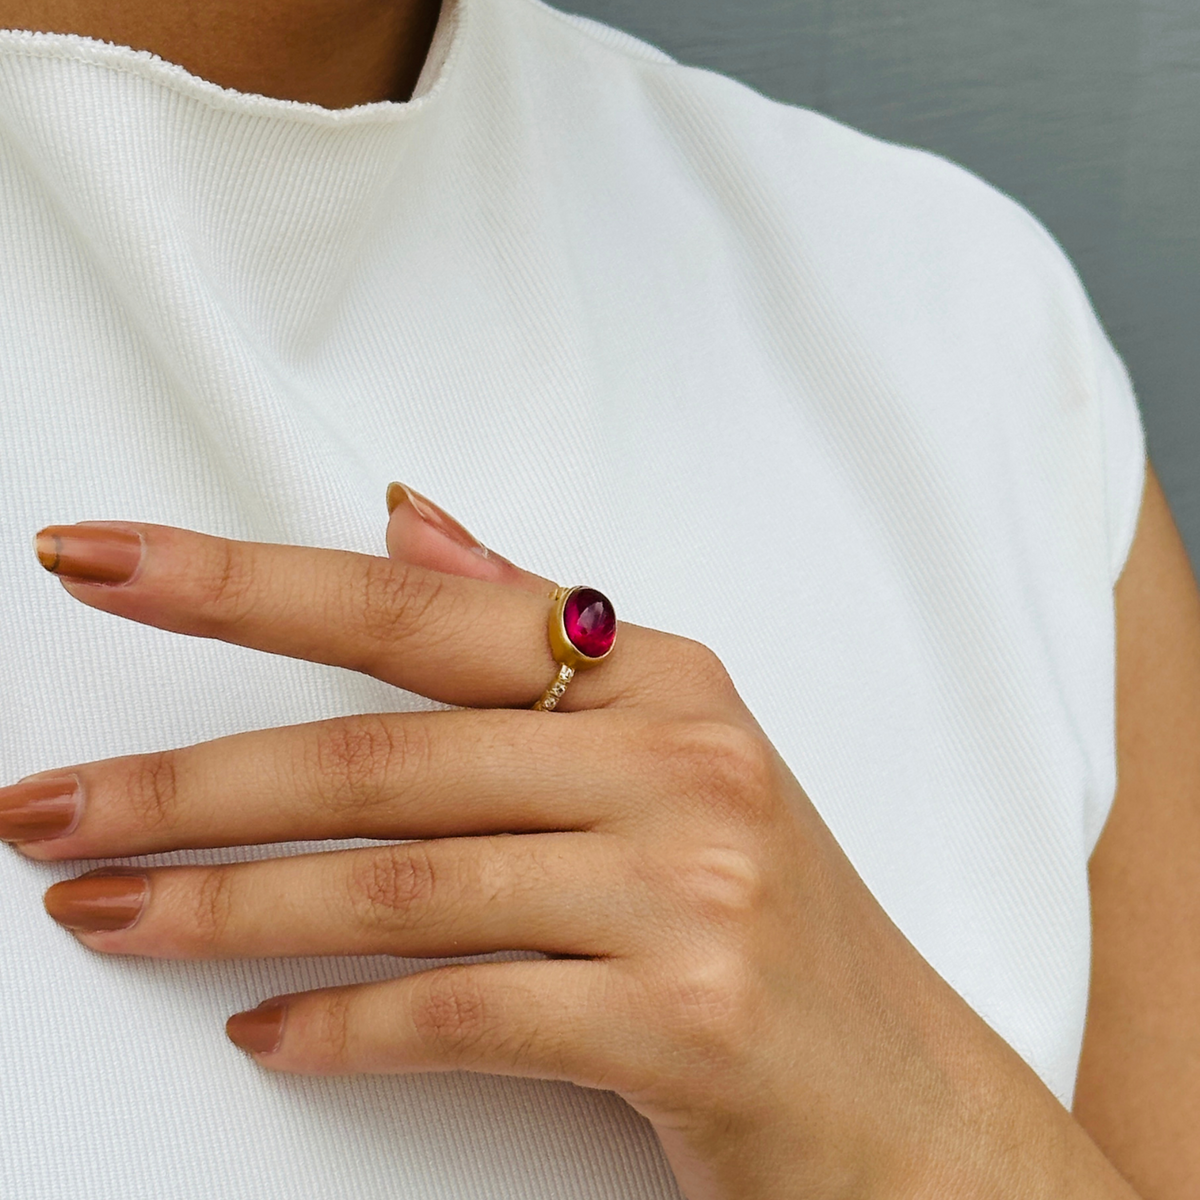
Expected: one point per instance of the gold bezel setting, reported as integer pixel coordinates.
(566, 653)
(564, 650)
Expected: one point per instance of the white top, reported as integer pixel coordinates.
(834, 407)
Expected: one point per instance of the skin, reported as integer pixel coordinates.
(335, 53)
(807, 1051)
(1139, 1078)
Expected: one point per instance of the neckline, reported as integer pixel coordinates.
(441, 64)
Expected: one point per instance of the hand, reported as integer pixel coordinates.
(711, 955)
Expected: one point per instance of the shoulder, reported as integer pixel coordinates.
(888, 213)
(898, 263)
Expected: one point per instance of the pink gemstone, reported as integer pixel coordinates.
(590, 622)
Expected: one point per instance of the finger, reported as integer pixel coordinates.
(388, 776)
(566, 893)
(549, 1020)
(462, 641)
(420, 532)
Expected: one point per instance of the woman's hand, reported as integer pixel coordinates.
(711, 955)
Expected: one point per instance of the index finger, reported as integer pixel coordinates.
(457, 640)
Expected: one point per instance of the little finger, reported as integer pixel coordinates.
(548, 1020)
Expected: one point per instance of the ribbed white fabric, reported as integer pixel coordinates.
(834, 407)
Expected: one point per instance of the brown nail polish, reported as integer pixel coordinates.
(258, 1031)
(41, 808)
(435, 517)
(397, 493)
(89, 553)
(99, 901)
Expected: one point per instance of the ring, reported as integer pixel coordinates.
(582, 627)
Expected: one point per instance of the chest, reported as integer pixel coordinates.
(771, 504)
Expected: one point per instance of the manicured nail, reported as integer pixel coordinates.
(258, 1031)
(89, 553)
(437, 518)
(41, 808)
(99, 901)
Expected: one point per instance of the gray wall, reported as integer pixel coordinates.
(1087, 111)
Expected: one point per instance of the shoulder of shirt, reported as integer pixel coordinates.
(916, 216)
(902, 238)
(606, 35)
(922, 184)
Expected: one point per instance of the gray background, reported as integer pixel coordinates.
(1087, 111)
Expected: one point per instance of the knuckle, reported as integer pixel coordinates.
(212, 906)
(396, 599)
(328, 1025)
(729, 767)
(224, 588)
(354, 758)
(723, 886)
(699, 669)
(504, 873)
(152, 790)
(451, 1015)
(713, 1006)
(394, 887)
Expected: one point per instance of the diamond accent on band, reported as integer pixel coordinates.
(590, 622)
(553, 694)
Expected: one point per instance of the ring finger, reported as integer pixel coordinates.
(458, 640)
(565, 894)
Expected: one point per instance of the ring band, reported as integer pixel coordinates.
(582, 629)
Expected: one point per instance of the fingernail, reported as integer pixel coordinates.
(89, 553)
(436, 518)
(258, 1031)
(99, 901)
(42, 808)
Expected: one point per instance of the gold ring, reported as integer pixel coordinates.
(582, 628)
